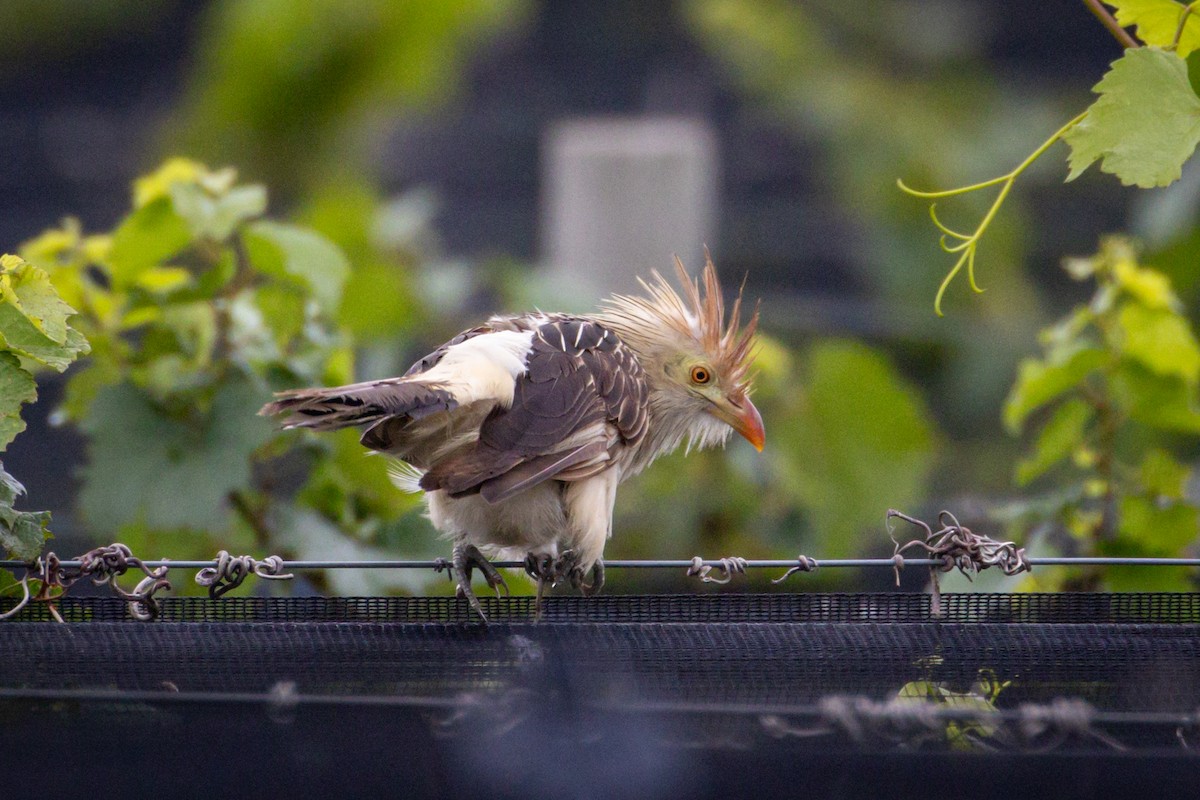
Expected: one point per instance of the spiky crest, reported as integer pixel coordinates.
(662, 314)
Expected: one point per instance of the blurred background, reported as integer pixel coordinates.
(473, 156)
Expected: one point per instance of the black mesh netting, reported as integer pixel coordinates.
(680, 691)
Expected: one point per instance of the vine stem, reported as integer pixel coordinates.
(967, 243)
(1106, 19)
(1183, 18)
(250, 515)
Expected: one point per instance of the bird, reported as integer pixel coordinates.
(520, 430)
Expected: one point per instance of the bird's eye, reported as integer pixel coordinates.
(701, 375)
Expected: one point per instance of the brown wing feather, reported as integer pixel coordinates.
(579, 376)
(386, 405)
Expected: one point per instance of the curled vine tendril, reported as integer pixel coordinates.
(965, 244)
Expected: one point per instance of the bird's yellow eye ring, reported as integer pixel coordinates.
(701, 375)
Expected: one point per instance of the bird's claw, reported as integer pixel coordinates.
(588, 589)
(543, 567)
(549, 571)
(465, 558)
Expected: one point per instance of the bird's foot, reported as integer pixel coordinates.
(548, 571)
(542, 567)
(577, 574)
(465, 558)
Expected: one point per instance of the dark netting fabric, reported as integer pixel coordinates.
(682, 691)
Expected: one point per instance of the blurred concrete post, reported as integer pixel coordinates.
(622, 196)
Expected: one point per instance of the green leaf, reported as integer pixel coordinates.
(282, 309)
(1145, 124)
(217, 217)
(1039, 382)
(295, 254)
(28, 289)
(144, 239)
(17, 387)
(1151, 287)
(1157, 21)
(379, 301)
(1161, 340)
(18, 334)
(1162, 475)
(1057, 440)
(1193, 68)
(157, 185)
(1158, 528)
(169, 473)
(164, 280)
(10, 487)
(862, 441)
(23, 533)
(1158, 401)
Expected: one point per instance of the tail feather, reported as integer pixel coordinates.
(358, 404)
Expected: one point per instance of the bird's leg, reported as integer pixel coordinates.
(589, 589)
(567, 566)
(544, 569)
(465, 557)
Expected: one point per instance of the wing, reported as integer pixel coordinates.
(582, 395)
(478, 365)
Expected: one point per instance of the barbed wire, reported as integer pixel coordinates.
(955, 547)
(951, 547)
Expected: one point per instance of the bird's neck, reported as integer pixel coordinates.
(667, 428)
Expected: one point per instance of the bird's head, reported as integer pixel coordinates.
(697, 362)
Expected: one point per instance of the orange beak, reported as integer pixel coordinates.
(746, 420)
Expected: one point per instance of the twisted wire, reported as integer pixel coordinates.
(229, 572)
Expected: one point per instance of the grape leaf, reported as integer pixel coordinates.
(17, 387)
(1039, 382)
(1145, 124)
(168, 473)
(157, 185)
(1162, 475)
(1157, 21)
(18, 334)
(28, 289)
(862, 440)
(1193, 69)
(1159, 401)
(10, 487)
(1160, 528)
(1151, 287)
(22, 533)
(1161, 340)
(1060, 436)
(216, 217)
(291, 253)
(144, 238)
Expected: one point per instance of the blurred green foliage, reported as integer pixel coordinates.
(1111, 409)
(846, 436)
(36, 332)
(295, 90)
(197, 305)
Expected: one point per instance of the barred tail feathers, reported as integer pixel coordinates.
(359, 404)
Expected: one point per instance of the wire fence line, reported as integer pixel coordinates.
(823, 563)
(951, 547)
(902, 722)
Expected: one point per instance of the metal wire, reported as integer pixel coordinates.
(286, 694)
(832, 563)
